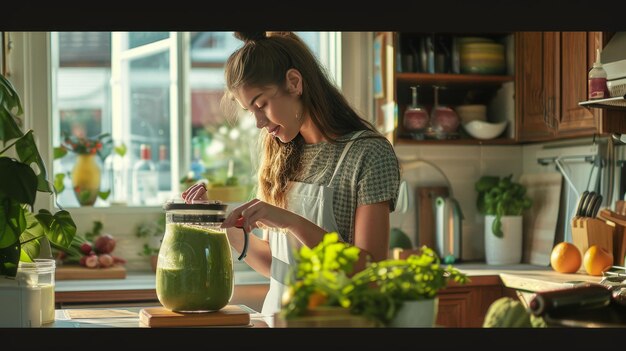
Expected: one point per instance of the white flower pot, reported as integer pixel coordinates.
(416, 314)
(508, 248)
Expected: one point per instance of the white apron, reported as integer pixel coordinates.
(313, 202)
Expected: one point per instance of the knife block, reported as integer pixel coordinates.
(587, 231)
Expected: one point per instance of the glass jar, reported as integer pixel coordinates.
(195, 267)
(40, 273)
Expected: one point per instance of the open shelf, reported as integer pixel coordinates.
(449, 78)
(616, 103)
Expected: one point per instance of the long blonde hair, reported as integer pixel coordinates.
(263, 61)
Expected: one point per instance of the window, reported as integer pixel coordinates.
(135, 86)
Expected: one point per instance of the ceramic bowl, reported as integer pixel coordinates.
(469, 113)
(484, 130)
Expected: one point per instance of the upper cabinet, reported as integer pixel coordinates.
(427, 86)
(551, 80)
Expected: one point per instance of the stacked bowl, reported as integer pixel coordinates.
(481, 56)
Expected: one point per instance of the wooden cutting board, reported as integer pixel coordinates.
(231, 315)
(540, 220)
(79, 272)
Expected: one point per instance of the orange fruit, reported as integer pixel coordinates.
(565, 258)
(597, 260)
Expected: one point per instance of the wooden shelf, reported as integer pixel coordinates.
(448, 78)
(460, 141)
(616, 103)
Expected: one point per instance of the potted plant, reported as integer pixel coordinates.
(503, 202)
(22, 232)
(393, 292)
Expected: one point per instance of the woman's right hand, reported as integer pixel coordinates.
(255, 212)
(195, 193)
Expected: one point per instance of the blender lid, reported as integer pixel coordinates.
(214, 205)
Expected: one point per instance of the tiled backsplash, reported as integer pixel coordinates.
(462, 165)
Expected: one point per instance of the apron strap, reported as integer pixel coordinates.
(343, 154)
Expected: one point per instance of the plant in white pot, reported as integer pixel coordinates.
(391, 293)
(22, 232)
(503, 202)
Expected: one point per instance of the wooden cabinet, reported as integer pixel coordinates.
(551, 80)
(402, 60)
(465, 306)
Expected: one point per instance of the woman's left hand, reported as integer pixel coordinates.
(256, 211)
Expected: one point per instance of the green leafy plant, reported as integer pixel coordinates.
(322, 278)
(501, 196)
(23, 175)
(149, 231)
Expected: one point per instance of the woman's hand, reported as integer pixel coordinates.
(255, 212)
(195, 193)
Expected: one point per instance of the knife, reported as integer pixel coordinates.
(595, 207)
(581, 202)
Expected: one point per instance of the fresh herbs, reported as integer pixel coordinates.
(501, 197)
(377, 292)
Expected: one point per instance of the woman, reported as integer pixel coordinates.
(323, 168)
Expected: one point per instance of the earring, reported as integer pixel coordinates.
(298, 115)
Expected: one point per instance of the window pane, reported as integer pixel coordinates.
(134, 103)
(136, 39)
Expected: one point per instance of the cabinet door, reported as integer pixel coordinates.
(534, 83)
(578, 51)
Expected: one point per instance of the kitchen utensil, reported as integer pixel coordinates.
(448, 233)
(586, 203)
(594, 206)
(592, 231)
(195, 267)
(426, 213)
(619, 235)
(581, 201)
(230, 315)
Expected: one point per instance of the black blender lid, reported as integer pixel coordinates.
(208, 205)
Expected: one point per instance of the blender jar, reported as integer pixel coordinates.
(195, 266)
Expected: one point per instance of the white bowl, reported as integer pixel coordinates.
(485, 130)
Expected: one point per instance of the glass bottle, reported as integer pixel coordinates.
(197, 166)
(164, 170)
(145, 179)
(443, 120)
(195, 265)
(415, 119)
(117, 178)
(40, 273)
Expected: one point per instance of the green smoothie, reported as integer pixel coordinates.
(195, 269)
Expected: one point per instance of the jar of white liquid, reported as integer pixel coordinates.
(41, 274)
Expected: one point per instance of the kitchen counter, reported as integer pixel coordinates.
(526, 277)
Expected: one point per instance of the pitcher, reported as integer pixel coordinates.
(195, 267)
